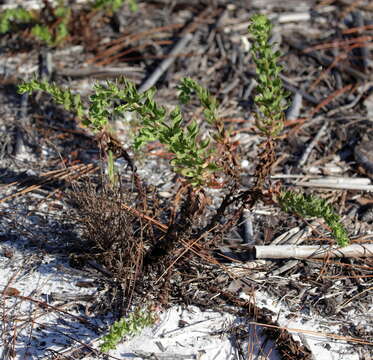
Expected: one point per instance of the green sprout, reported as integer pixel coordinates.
(70, 101)
(310, 206)
(52, 37)
(208, 102)
(137, 321)
(271, 98)
(60, 33)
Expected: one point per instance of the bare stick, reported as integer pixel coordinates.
(247, 227)
(165, 64)
(315, 252)
(329, 185)
(295, 239)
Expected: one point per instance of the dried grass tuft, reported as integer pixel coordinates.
(113, 236)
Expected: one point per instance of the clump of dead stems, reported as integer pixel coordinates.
(112, 235)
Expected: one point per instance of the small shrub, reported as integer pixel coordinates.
(195, 157)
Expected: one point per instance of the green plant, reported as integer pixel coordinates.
(271, 102)
(53, 32)
(271, 98)
(70, 101)
(114, 5)
(191, 156)
(137, 320)
(14, 16)
(53, 37)
(44, 32)
(195, 157)
(311, 206)
(96, 116)
(208, 102)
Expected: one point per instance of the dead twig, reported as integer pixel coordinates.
(318, 252)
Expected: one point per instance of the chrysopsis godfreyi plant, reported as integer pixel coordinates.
(271, 101)
(191, 154)
(193, 157)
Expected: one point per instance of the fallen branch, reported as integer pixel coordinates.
(316, 252)
(344, 183)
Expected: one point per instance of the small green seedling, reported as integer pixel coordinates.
(14, 16)
(54, 37)
(122, 328)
